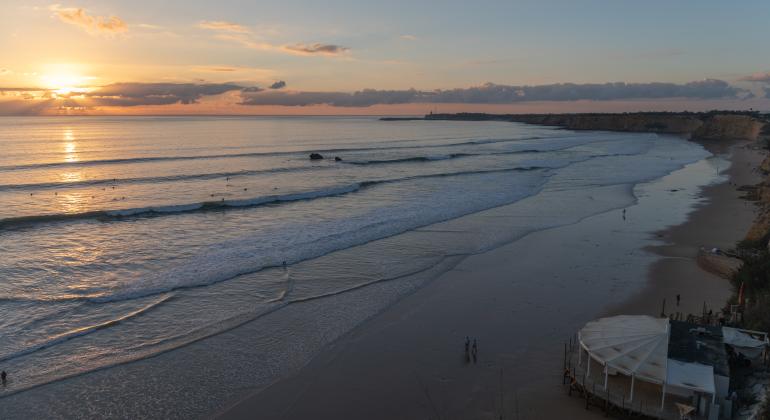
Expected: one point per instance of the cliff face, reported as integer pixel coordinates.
(620, 122)
(760, 230)
(716, 127)
(706, 126)
(739, 127)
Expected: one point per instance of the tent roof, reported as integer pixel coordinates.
(633, 344)
(738, 338)
(691, 376)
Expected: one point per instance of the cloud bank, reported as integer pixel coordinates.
(135, 94)
(757, 77)
(500, 94)
(763, 78)
(109, 98)
(94, 25)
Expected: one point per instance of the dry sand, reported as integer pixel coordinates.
(521, 302)
(721, 221)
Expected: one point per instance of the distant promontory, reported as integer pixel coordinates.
(715, 125)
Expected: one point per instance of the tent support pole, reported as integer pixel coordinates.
(663, 397)
(631, 397)
(580, 355)
(588, 369)
(606, 374)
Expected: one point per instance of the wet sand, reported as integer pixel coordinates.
(521, 302)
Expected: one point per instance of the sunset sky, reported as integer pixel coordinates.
(396, 57)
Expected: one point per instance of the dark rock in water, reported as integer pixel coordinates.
(316, 156)
(337, 159)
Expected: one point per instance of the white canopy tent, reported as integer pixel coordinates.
(637, 346)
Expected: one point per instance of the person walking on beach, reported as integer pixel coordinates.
(678, 298)
(3, 375)
(475, 350)
(467, 349)
(624, 214)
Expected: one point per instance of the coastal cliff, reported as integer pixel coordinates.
(704, 126)
(760, 230)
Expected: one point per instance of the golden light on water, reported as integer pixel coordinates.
(72, 202)
(70, 146)
(70, 151)
(71, 176)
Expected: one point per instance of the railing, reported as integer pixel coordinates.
(615, 399)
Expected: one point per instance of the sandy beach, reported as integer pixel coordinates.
(521, 302)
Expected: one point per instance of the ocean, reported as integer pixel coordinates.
(125, 237)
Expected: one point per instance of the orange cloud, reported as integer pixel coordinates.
(234, 32)
(220, 25)
(94, 25)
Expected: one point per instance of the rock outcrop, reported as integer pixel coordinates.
(719, 264)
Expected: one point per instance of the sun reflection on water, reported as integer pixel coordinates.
(72, 202)
(70, 147)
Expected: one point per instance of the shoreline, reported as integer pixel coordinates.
(200, 364)
(330, 386)
(708, 227)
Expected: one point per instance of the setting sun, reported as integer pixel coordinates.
(64, 80)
